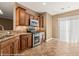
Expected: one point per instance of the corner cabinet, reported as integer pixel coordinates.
(9, 47)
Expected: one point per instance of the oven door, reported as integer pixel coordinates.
(36, 39)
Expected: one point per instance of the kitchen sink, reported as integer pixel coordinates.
(5, 36)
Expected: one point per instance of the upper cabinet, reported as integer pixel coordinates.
(36, 17)
(27, 19)
(21, 17)
(31, 16)
(41, 21)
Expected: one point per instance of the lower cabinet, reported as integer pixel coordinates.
(15, 45)
(29, 38)
(10, 47)
(23, 42)
(7, 50)
(26, 41)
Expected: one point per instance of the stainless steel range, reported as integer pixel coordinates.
(36, 35)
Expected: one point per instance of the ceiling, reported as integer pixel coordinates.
(7, 9)
(51, 7)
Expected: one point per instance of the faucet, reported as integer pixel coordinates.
(2, 27)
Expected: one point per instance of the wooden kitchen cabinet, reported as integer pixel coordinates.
(0, 49)
(29, 38)
(36, 17)
(31, 16)
(16, 45)
(10, 46)
(41, 21)
(7, 50)
(20, 16)
(27, 18)
(25, 41)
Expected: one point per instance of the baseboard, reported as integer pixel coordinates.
(50, 39)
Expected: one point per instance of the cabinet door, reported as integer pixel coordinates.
(20, 16)
(23, 42)
(22, 20)
(17, 15)
(16, 46)
(29, 40)
(41, 21)
(31, 16)
(36, 17)
(7, 50)
(27, 18)
(0, 49)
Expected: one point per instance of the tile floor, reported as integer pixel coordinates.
(53, 48)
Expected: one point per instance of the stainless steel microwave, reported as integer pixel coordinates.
(34, 23)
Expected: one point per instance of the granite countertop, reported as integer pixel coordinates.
(13, 34)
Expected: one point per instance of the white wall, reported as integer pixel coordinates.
(49, 26)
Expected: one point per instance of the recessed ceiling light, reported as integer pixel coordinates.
(1, 12)
(44, 3)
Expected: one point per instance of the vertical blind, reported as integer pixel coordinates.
(69, 29)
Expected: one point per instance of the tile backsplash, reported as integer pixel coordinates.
(21, 28)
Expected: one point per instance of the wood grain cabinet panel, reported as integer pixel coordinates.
(7, 50)
(17, 16)
(26, 41)
(16, 45)
(10, 46)
(27, 18)
(41, 22)
(23, 42)
(20, 16)
(29, 37)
